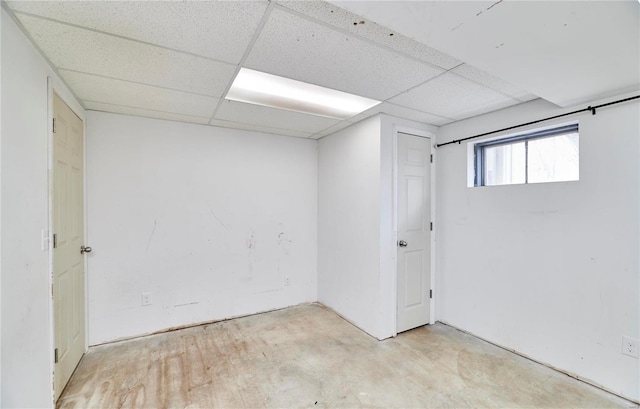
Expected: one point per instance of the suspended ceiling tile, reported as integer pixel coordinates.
(452, 96)
(294, 47)
(111, 91)
(257, 128)
(215, 29)
(271, 117)
(567, 52)
(403, 112)
(333, 129)
(82, 50)
(526, 96)
(355, 24)
(118, 109)
(486, 79)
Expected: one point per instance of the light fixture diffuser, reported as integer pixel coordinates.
(255, 87)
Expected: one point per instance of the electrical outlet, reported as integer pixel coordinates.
(630, 346)
(146, 299)
(286, 281)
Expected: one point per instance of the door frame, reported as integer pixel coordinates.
(394, 248)
(59, 89)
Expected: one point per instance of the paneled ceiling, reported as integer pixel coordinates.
(567, 52)
(177, 60)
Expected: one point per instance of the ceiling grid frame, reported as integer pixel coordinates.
(254, 38)
(120, 36)
(359, 37)
(331, 31)
(11, 14)
(390, 49)
(136, 82)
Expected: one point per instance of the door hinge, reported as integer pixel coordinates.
(430, 293)
(431, 226)
(55, 240)
(55, 355)
(431, 158)
(54, 125)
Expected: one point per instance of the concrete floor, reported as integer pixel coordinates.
(307, 356)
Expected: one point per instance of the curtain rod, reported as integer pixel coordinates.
(589, 108)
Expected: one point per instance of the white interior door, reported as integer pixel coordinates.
(414, 231)
(68, 229)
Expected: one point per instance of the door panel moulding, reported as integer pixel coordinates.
(397, 128)
(54, 86)
(413, 251)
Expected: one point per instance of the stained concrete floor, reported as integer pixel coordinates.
(308, 357)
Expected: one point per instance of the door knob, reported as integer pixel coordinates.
(84, 249)
(402, 243)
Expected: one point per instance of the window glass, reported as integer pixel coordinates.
(548, 155)
(504, 164)
(553, 159)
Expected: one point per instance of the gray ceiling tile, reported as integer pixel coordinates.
(215, 29)
(294, 47)
(82, 50)
(313, 41)
(486, 79)
(118, 109)
(403, 112)
(452, 96)
(258, 128)
(110, 91)
(344, 20)
(271, 117)
(332, 129)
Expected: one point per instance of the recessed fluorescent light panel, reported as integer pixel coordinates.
(255, 87)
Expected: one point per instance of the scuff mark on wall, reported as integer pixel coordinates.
(189, 303)
(251, 241)
(283, 242)
(494, 4)
(268, 291)
(251, 246)
(151, 236)
(218, 220)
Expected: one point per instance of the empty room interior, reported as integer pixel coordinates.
(320, 204)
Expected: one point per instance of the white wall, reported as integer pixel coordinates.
(209, 220)
(550, 270)
(26, 340)
(356, 231)
(0, 218)
(349, 223)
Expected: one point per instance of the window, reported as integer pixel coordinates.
(549, 155)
